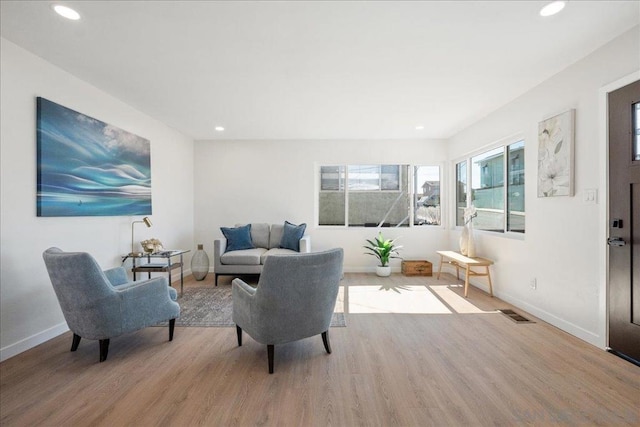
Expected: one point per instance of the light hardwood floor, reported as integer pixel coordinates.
(444, 367)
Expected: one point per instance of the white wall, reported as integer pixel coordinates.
(29, 311)
(274, 181)
(563, 245)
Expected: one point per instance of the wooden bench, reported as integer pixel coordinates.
(459, 261)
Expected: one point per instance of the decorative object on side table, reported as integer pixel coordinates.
(200, 264)
(152, 246)
(384, 250)
(467, 244)
(146, 221)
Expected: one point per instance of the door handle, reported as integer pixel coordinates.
(616, 241)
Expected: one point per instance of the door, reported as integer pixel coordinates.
(624, 221)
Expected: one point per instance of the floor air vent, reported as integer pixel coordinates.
(514, 316)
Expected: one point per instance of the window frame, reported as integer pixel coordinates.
(508, 184)
(380, 178)
(504, 143)
(455, 189)
(411, 192)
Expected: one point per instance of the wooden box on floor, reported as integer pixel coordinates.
(417, 268)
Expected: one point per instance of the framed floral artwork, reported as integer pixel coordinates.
(555, 155)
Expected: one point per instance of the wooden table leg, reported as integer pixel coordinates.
(466, 281)
(490, 284)
(440, 266)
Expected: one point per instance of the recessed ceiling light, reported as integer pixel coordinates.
(219, 128)
(419, 127)
(67, 12)
(552, 8)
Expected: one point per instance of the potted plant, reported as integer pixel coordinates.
(383, 249)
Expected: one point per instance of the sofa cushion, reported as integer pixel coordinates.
(243, 257)
(259, 234)
(238, 238)
(276, 235)
(291, 236)
(276, 251)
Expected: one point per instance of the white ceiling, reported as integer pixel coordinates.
(315, 70)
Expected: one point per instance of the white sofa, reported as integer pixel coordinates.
(266, 239)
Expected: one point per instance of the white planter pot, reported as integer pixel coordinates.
(383, 271)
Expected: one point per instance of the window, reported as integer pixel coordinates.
(487, 189)
(461, 191)
(366, 195)
(332, 178)
(374, 177)
(495, 176)
(426, 195)
(332, 200)
(515, 187)
(378, 195)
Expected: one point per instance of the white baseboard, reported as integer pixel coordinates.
(585, 335)
(575, 330)
(371, 269)
(32, 341)
(37, 339)
(568, 327)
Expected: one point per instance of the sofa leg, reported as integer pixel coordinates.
(239, 333)
(104, 349)
(270, 357)
(76, 342)
(216, 279)
(172, 325)
(325, 341)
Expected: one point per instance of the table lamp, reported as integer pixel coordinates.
(147, 222)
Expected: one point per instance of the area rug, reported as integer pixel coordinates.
(212, 307)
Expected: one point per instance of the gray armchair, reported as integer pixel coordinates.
(101, 305)
(295, 299)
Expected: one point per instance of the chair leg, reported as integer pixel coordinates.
(325, 340)
(76, 342)
(270, 356)
(104, 349)
(172, 325)
(239, 333)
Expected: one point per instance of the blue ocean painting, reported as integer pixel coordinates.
(89, 168)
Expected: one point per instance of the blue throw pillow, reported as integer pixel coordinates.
(238, 238)
(291, 236)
